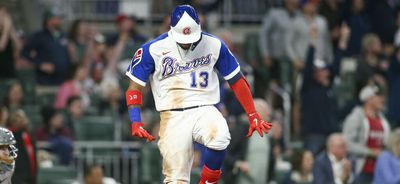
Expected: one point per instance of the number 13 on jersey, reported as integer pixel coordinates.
(202, 77)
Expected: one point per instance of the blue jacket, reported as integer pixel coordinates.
(42, 47)
(319, 108)
(394, 91)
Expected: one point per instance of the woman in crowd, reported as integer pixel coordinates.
(73, 87)
(302, 163)
(58, 135)
(25, 164)
(10, 45)
(14, 96)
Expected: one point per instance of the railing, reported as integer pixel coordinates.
(120, 160)
(286, 111)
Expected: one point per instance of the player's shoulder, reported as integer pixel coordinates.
(207, 35)
(212, 40)
(155, 40)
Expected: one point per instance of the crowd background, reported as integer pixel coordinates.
(329, 70)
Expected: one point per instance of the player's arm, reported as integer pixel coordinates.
(229, 68)
(242, 92)
(141, 67)
(133, 97)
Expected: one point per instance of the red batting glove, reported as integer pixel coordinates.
(256, 123)
(139, 131)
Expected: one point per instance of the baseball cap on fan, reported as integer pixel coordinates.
(185, 25)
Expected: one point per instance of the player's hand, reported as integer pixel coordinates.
(256, 123)
(139, 131)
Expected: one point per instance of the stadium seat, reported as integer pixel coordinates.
(46, 99)
(55, 174)
(34, 115)
(95, 128)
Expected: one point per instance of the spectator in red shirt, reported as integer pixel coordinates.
(367, 131)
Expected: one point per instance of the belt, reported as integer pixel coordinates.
(185, 108)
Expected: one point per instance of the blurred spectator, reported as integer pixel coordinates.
(370, 63)
(394, 88)
(397, 34)
(14, 98)
(74, 112)
(25, 165)
(165, 25)
(274, 29)
(93, 174)
(249, 160)
(333, 166)
(358, 22)
(54, 132)
(113, 96)
(227, 96)
(332, 10)
(127, 39)
(318, 102)
(79, 41)
(53, 126)
(388, 163)
(10, 45)
(3, 116)
(298, 39)
(367, 131)
(379, 10)
(302, 165)
(103, 71)
(279, 150)
(73, 87)
(47, 49)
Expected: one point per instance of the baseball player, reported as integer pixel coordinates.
(8, 154)
(181, 66)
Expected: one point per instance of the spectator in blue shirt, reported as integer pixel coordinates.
(388, 163)
(47, 49)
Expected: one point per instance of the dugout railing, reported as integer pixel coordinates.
(119, 160)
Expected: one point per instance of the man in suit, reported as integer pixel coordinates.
(332, 166)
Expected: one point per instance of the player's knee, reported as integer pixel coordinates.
(219, 142)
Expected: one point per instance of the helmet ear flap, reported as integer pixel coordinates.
(13, 151)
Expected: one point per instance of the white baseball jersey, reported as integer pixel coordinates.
(183, 80)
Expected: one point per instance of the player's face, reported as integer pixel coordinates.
(184, 46)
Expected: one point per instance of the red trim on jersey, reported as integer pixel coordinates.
(133, 97)
(243, 94)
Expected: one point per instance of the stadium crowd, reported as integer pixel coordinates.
(338, 60)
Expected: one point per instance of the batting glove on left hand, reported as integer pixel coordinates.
(256, 123)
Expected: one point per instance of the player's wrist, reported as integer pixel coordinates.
(134, 115)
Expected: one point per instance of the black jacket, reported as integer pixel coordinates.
(23, 173)
(319, 110)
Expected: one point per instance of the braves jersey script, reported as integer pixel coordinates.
(183, 81)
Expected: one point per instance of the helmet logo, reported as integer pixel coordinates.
(186, 31)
